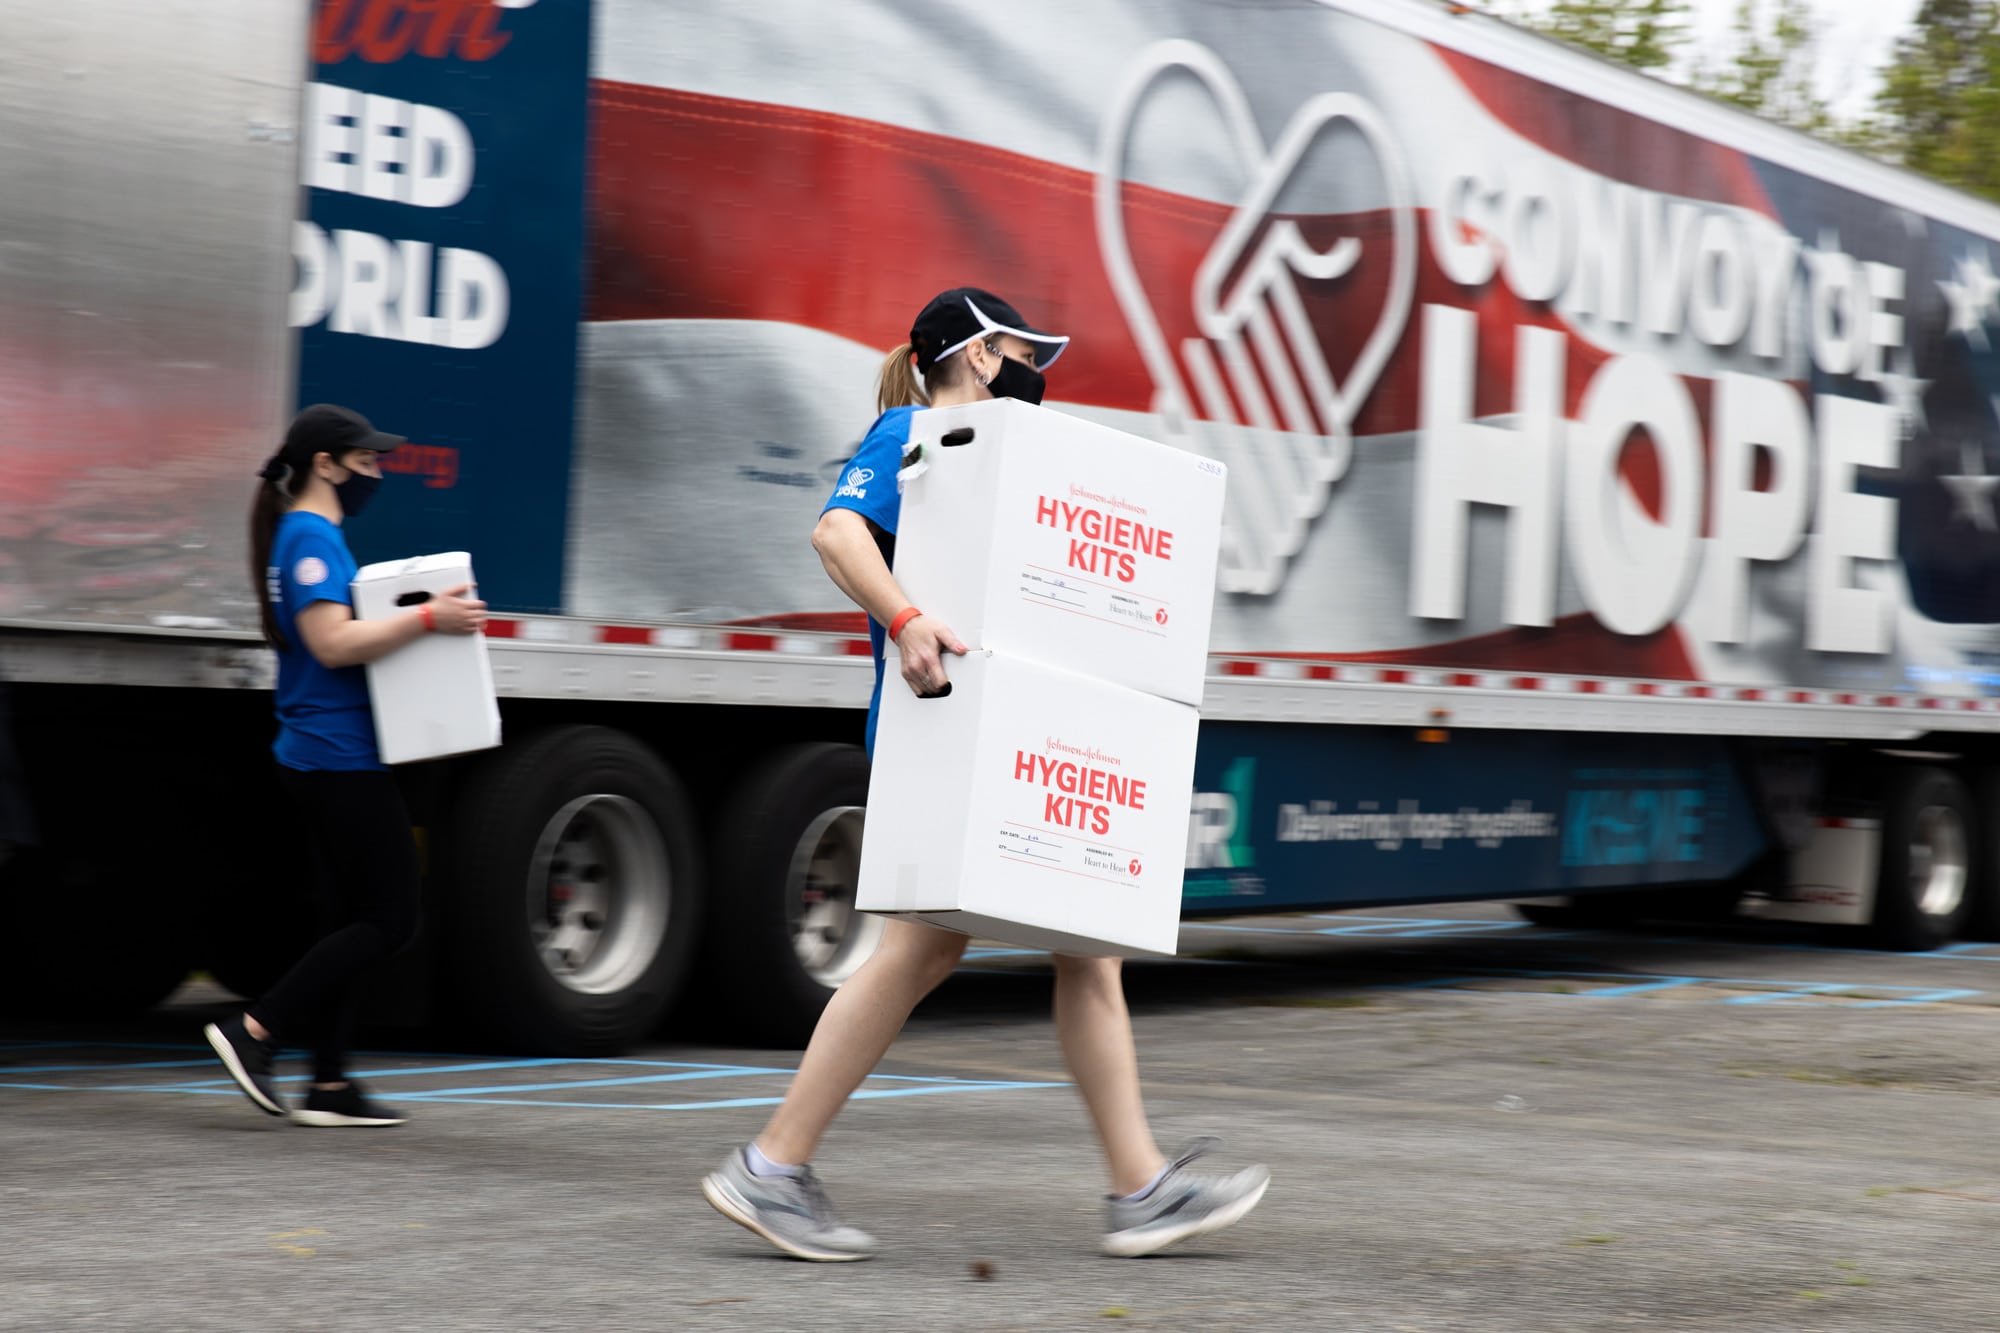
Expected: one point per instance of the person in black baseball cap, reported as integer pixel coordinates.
(354, 838)
(968, 334)
(967, 345)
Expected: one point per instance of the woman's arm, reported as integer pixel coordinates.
(846, 546)
(336, 639)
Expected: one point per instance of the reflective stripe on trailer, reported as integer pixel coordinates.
(1232, 667)
(1235, 668)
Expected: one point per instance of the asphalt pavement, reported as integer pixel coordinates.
(1472, 1124)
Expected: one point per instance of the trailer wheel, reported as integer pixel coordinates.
(784, 933)
(1922, 896)
(574, 892)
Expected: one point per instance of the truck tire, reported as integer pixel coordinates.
(1924, 873)
(574, 893)
(1982, 917)
(783, 932)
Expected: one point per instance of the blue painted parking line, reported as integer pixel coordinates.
(1644, 987)
(1928, 997)
(1798, 991)
(733, 1103)
(1412, 927)
(1776, 992)
(720, 1071)
(1803, 995)
(506, 1094)
(16, 1070)
(1428, 930)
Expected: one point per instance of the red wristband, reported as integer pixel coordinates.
(424, 610)
(903, 618)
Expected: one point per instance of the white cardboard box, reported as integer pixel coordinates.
(1031, 805)
(434, 696)
(1063, 541)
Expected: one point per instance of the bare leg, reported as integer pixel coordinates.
(856, 1031)
(1095, 1030)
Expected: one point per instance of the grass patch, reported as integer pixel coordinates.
(1601, 1238)
(1810, 1295)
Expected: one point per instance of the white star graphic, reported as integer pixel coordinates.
(1972, 490)
(1970, 294)
(1903, 391)
(1979, 273)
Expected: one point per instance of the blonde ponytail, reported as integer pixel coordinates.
(897, 385)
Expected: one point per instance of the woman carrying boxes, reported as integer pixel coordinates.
(968, 346)
(362, 849)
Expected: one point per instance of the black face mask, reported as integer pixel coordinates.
(355, 493)
(1015, 380)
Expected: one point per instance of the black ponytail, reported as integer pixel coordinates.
(271, 502)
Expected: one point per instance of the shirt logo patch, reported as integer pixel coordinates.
(855, 486)
(309, 572)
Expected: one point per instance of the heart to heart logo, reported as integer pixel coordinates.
(1263, 401)
(1134, 867)
(1160, 616)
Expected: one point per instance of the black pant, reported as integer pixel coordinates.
(365, 864)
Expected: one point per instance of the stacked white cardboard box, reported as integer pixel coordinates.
(1044, 800)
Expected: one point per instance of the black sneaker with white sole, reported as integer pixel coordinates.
(334, 1108)
(248, 1061)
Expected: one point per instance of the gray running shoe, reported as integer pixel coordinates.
(792, 1212)
(1183, 1205)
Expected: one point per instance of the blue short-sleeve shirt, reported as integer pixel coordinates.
(325, 720)
(868, 487)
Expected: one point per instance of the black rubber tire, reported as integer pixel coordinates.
(755, 988)
(497, 982)
(1982, 917)
(1900, 920)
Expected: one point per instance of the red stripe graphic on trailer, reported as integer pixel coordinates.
(726, 242)
(1611, 142)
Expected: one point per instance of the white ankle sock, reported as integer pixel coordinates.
(760, 1165)
(1139, 1194)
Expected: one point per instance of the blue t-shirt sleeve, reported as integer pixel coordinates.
(868, 483)
(317, 568)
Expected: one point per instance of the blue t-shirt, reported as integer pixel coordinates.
(324, 718)
(868, 487)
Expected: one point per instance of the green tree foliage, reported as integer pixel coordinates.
(1770, 68)
(1938, 111)
(1644, 35)
(1939, 108)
